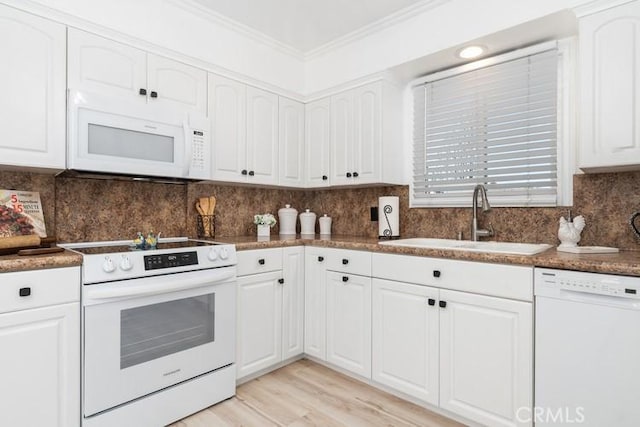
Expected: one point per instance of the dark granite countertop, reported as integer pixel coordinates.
(37, 262)
(624, 263)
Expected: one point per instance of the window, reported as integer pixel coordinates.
(493, 122)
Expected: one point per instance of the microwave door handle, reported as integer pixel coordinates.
(160, 285)
(188, 148)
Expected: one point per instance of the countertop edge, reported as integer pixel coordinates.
(14, 263)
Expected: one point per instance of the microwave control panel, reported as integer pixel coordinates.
(199, 157)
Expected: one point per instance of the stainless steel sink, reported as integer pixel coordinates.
(509, 248)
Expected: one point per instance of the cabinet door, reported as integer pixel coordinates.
(292, 302)
(367, 133)
(103, 66)
(610, 88)
(176, 84)
(405, 338)
(315, 303)
(349, 322)
(486, 352)
(317, 143)
(227, 113)
(342, 134)
(259, 322)
(40, 366)
(262, 136)
(33, 91)
(291, 145)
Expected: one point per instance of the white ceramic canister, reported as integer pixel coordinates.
(307, 222)
(287, 217)
(325, 225)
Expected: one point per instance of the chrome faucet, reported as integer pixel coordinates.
(475, 231)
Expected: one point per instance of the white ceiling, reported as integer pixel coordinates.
(306, 24)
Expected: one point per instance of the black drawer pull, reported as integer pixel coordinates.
(443, 304)
(244, 172)
(142, 91)
(345, 261)
(154, 94)
(251, 173)
(355, 174)
(281, 281)
(24, 292)
(348, 174)
(261, 261)
(432, 302)
(345, 279)
(436, 273)
(325, 177)
(320, 258)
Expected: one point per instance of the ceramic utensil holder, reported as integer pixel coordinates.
(388, 217)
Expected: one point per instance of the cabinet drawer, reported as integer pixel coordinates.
(500, 280)
(259, 261)
(347, 261)
(22, 290)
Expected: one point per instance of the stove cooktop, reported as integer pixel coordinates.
(117, 248)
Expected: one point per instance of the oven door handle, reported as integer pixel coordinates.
(160, 285)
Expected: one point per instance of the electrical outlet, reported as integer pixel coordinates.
(374, 213)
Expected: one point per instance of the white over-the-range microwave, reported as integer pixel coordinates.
(110, 135)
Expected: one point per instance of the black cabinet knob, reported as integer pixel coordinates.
(24, 292)
(142, 91)
(355, 174)
(251, 173)
(320, 258)
(436, 273)
(432, 302)
(281, 281)
(153, 94)
(261, 261)
(244, 172)
(348, 174)
(442, 304)
(325, 177)
(345, 261)
(345, 278)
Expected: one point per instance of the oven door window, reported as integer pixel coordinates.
(153, 331)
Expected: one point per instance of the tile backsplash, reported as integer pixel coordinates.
(78, 209)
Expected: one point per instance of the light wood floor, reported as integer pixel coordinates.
(308, 394)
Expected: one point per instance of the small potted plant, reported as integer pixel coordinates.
(264, 223)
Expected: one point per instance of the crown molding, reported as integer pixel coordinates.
(374, 27)
(200, 10)
(596, 6)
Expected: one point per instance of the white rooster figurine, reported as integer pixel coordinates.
(569, 231)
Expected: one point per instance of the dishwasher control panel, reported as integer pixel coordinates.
(593, 283)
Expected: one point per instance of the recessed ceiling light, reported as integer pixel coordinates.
(472, 51)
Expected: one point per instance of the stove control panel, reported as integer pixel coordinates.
(180, 259)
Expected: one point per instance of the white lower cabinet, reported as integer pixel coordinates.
(486, 358)
(40, 342)
(349, 322)
(406, 338)
(270, 308)
(315, 302)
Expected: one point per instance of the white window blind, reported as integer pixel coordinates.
(494, 126)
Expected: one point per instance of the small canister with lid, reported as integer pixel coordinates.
(308, 223)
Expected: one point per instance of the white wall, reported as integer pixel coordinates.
(164, 24)
(449, 24)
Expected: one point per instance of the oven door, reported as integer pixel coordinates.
(143, 335)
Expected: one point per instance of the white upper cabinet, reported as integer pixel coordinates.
(366, 135)
(610, 89)
(228, 116)
(317, 143)
(291, 142)
(107, 67)
(33, 91)
(262, 136)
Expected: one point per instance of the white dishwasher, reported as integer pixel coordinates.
(587, 349)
